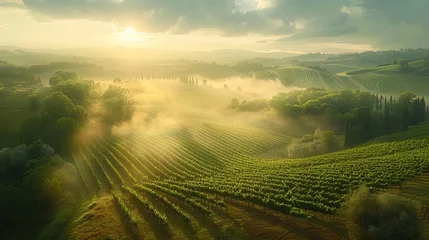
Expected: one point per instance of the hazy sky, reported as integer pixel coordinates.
(263, 25)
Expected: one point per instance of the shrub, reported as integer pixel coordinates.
(382, 216)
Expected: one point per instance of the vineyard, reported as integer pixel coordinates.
(376, 82)
(195, 174)
(304, 78)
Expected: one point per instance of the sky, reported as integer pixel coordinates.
(259, 25)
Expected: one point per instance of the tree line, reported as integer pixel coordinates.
(65, 112)
(357, 115)
(388, 115)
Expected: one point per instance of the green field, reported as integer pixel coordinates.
(382, 80)
(305, 78)
(199, 175)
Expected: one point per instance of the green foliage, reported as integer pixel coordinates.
(14, 162)
(382, 216)
(58, 105)
(80, 115)
(235, 102)
(42, 184)
(255, 105)
(31, 129)
(311, 145)
(248, 66)
(61, 76)
(77, 91)
(58, 123)
(230, 232)
(11, 76)
(64, 131)
(403, 66)
(34, 101)
(315, 101)
(118, 104)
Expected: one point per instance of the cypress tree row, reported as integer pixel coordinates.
(405, 112)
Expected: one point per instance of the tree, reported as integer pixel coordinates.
(80, 115)
(77, 91)
(117, 80)
(34, 101)
(381, 103)
(329, 141)
(58, 105)
(64, 131)
(61, 76)
(386, 117)
(377, 103)
(382, 216)
(426, 61)
(403, 66)
(118, 105)
(405, 101)
(234, 103)
(422, 110)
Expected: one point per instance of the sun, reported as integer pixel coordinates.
(129, 35)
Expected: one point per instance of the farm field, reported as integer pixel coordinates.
(199, 176)
(383, 82)
(305, 78)
(214, 120)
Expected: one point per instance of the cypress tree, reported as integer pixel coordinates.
(377, 106)
(422, 110)
(386, 117)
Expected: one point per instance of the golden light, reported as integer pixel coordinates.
(129, 35)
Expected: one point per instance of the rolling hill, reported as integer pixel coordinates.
(383, 80)
(201, 177)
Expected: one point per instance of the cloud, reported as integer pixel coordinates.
(11, 4)
(381, 23)
(231, 17)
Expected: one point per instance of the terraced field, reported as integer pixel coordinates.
(190, 178)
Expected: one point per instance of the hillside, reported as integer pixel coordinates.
(383, 80)
(186, 167)
(204, 179)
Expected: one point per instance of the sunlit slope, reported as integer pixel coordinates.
(388, 83)
(187, 181)
(376, 81)
(305, 78)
